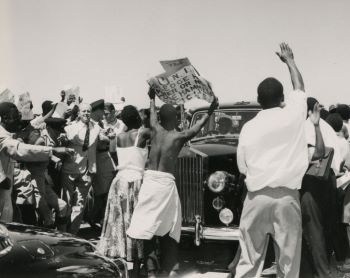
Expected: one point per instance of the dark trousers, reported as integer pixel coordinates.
(168, 248)
(323, 232)
(315, 200)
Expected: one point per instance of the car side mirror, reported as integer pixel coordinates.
(5, 241)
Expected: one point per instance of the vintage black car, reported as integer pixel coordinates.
(208, 177)
(28, 251)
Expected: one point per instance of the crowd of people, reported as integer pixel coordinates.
(115, 170)
(88, 164)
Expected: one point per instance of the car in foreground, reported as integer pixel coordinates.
(208, 178)
(28, 251)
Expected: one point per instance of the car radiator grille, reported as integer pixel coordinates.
(190, 175)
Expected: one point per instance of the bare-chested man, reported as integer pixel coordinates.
(158, 211)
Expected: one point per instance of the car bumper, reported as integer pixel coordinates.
(224, 233)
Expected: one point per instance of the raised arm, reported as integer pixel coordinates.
(314, 116)
(192, 132)
(153, 112)
(286, 55)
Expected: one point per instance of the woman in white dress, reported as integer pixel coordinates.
(122, 198)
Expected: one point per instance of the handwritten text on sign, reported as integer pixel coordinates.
(181, 86)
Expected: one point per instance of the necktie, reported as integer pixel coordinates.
(86, 139)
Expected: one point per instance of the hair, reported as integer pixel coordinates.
(335, 121)
(344, 111)
(167, 114)
(5, 109)
(131, 117)
(324, 114)
(270, 93)
(311, 101)
(109, 106)
(84, 105)
(46, 107)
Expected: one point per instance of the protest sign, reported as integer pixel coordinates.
(181, 86)
(24, 105)
(72, 95)
(6, 96)
(172, 66)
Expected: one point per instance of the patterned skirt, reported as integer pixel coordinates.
(122, 199)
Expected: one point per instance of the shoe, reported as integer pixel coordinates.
(272, 270)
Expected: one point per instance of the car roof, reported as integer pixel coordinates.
(232, 105)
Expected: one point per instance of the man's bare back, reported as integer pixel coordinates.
(166, 141)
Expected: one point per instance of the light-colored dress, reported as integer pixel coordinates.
(122, 199)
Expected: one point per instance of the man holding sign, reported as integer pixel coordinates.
(158, 211)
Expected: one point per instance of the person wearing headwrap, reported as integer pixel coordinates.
(13, 149)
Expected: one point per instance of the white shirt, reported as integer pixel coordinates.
(344, 147)
(272, 150)
(330, 140)
(83, 160)
(118, 127)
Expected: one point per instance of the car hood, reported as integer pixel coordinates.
(215, 149)
(41, 252)
(21, 232)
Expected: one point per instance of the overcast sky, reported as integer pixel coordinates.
(45, 45)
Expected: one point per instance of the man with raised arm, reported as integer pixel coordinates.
(272, 154)
(158, 211)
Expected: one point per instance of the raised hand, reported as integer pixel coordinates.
(286, 53)
(151, 93)
(315, 114)
(213, 106)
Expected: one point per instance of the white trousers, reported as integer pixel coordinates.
(275, 212)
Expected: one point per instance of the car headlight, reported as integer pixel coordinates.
(226, 216)
(218, 180)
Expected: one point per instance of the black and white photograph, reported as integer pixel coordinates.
(174, 138)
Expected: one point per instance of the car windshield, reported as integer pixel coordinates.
(223, 124)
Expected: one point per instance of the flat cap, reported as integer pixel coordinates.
(98, 104)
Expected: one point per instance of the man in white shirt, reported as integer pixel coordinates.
(272, 154)
(77, 172)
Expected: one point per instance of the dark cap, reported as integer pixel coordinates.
(98, 104)
(56, 122)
